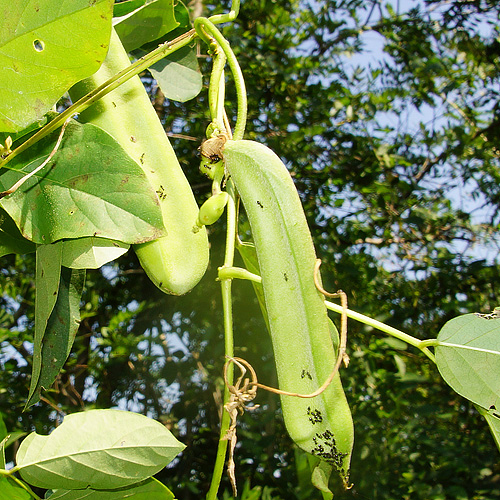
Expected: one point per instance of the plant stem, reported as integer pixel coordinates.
(239, 273)
(134, 69)
(394, 332)
(206, 30)
(228, 340)
(229, 16)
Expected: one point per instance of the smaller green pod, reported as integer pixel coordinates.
(212, 209)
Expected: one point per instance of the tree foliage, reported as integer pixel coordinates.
(395, 155)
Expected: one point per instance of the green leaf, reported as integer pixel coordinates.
(146, 23)
(3, 428)
(90, 253)
(492, 418)
(151, 489)
(178, 75)
(45, 48)
(127, 7)
(9, 490)
(98, 449)
(248, 253)
(52, 350)
(48, 274)
(91, 187)
(320, 475)
(11, 239)
(3, 438)
(468, 357)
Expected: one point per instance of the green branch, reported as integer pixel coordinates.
(394, 332)
(137, 67)
(208, 32)
(87, 100)
(228, 341)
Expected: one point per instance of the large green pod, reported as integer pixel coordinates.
(176, 262)
(298, 319)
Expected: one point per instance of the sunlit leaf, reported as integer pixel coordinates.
(178, 75)
(146, 23)
(46, 47)
(91, 187)
(468, 357)
(147, 490)
(99, 449)
(90, 253)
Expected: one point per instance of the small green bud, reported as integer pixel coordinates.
(212, 209)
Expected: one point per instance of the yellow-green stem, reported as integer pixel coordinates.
(394, 332)
(228, 341)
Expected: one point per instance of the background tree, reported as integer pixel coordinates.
(395, 156)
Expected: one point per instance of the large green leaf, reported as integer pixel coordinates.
(146, 23)
(45, 47)
(52, 349)
(151, 489)
(468, 357)
(98, 449)
(11, 239)
(9, 490)
(91, 187)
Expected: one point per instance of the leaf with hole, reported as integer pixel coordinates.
(98, 449)
(468, 357)
(46, 47)
(91, 187)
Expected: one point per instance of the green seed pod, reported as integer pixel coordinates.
(297, 315)
(212, 209)
(175, 262)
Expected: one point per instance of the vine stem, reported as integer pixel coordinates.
(394, 332)
(226, 284)
(104, 89)
(134, 69)
(208, 32)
